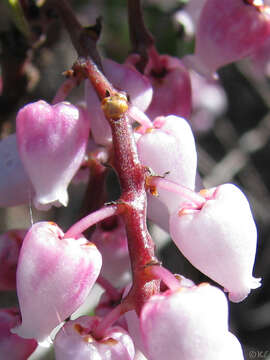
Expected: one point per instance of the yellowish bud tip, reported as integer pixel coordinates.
(115, 106)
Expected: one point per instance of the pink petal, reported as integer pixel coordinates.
(220, 239)
(52, 142)
(192, 322)
(54, 277)
(229, 30)
(171, 88)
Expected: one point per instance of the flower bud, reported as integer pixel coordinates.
(52, 142)
(76, 342)
(10, 244)
(54, 277)
(219, 239)
(12, 346)
(191, 322)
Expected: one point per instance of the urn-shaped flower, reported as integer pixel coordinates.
(51, 142)
(54, 277)
(220, 239)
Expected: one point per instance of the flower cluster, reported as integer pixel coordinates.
(137, 121)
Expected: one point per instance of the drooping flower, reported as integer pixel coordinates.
(171, 85)
(54, 277)
(52, 142)
(169, 149)
(219, 239)
(228, 30)
(133, 321)
(191, 322)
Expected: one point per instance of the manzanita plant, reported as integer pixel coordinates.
(134, 117)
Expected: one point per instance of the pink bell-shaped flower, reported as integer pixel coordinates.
(219, 239)
(12, 346)
(111, 240)
(171, 85)
(172, 139)
(52, 142)
(15, 185)
(54, 277)
(191, 324)
(10, 244)
(228, 30)
(133, 321)
(76, 342)
(123, 78)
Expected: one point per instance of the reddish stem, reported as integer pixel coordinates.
(88, 69)
(133, 203)
(165, 275)
(109, 320)
(156, 59)
(79, 227)
(156, 182)
(140, 117)
(132, 175)
(64, 90)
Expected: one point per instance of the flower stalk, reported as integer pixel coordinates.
(132, 174)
